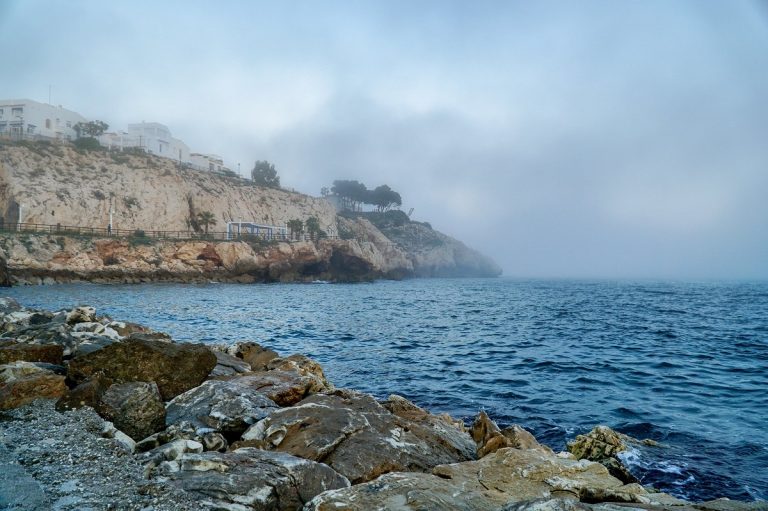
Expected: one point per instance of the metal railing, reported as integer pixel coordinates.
(188, 235)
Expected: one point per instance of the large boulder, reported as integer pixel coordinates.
(402, 491)
(358, 437)
(135, 408)
(600, 443)
(285, 388)
(11, 351)
(252, 353)
(302, 365)
(87, 393)
(21, 369)
(174, 367)
(52, 333)
(23, 390)
(506, 476)
(8, 305)
(489, 438)
(228, 365)
(449, 431)
(603, 445)
(525, 474)
(82, 314)
(251, 479)
(210, 440)
(228, 406)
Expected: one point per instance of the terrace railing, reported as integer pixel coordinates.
(188, 235)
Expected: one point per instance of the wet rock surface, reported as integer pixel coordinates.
(402, 491)
(222, 405)
(358, 437)
(23, 390)
(506, 476)
(602, 445)
(284, 387)
(489, 438)
(134, 408)
(11, 351)
(252, 479)
(175, 368)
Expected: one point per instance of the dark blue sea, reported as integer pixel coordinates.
(683, 363)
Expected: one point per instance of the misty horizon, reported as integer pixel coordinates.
(598, 140)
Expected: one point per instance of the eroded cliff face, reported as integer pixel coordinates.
(42, 259)
(58, 185)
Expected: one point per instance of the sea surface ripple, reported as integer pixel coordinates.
(685, 364)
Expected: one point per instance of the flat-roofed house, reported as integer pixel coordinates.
(27, 119)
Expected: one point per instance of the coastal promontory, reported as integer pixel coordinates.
(108, 216)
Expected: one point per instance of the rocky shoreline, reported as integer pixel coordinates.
(103, 414)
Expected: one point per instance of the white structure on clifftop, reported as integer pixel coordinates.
(24, 118)
(212, 162)
(153, 137)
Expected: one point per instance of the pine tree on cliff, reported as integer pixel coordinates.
(264, 174)
(206, 219)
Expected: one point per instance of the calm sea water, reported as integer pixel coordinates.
(685, 364)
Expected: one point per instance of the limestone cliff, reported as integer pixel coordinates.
(57, 185)
(431, 253)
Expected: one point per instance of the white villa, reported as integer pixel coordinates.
(212, 162)
(153, 137)
(24, 118)
(27, 119)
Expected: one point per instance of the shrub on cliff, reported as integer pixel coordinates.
(87, 144)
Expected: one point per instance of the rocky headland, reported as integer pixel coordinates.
(58, 187)
(103, 414)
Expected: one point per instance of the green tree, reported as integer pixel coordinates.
(313, 228)
(384, 198)
(351, 192)
(297, 228)
(206, 219)
(90, 128)
(264, 174)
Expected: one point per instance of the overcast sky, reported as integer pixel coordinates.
(564, 139)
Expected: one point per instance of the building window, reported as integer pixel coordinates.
(1, 112)
(31, 128)
(17, 111)
(57, 123)
(47, 124)
(69, 124)
(210, 166)
(3, 126)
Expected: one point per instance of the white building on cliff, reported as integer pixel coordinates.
(153, 137)
(24, 118)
